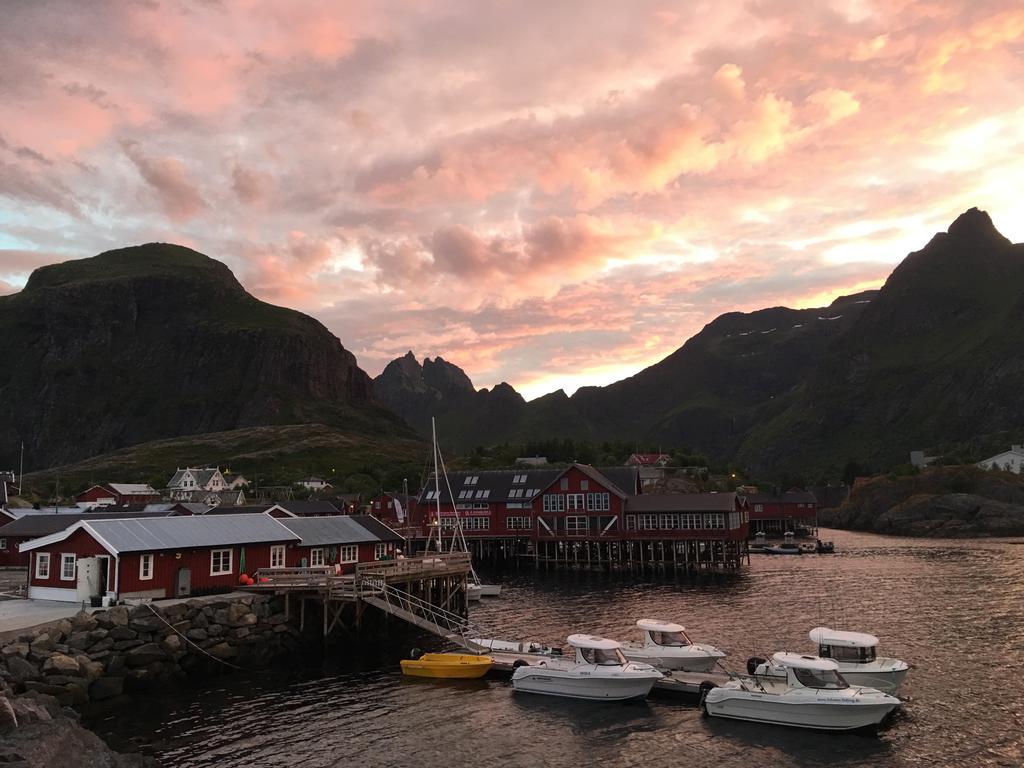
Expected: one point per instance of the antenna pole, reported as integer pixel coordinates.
(21, 469)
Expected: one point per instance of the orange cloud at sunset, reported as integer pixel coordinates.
(441, 177)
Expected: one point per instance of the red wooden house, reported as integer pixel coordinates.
(793, 510)
(119, 495)
(163, 557)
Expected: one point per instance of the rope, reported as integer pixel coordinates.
(199, 648)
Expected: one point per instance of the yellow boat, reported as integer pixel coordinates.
(447, 665)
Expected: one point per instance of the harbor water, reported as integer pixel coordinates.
(953, 609)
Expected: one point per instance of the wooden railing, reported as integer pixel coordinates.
(373, 574)
(295, 577)
(450, 562)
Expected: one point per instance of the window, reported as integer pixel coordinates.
(277, 556)
(477, 523)
(576, 524)
(630, 522)
(376, 505)
(531, 492)
(3, 544)
(517, 523)
(42, 565)
(472, 480)
(759, 507)
(668, 522)
(316, 557)
(820, 678)
(220, 562)
(145, 567)
(465, 494)
(565, 484)
(517, 505)
(380, 551)
(518, 479)
(598, 502)
(482, 505)
(67, 567)
(574, 500)
(463, 506)
(714, 521)
(348, 553)
(584, 485)
(431, 495)
(554, 502)
(851, 655)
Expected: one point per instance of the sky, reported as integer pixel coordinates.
(553, 193)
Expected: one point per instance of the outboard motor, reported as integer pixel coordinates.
(753, 663)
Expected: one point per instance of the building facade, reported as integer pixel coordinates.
(777, 513)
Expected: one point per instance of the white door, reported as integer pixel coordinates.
(89, 578)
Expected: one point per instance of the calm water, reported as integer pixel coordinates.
(953, 609)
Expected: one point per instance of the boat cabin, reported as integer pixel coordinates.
(847, 647)
(664, 634)
(808, 671)
(597, 651)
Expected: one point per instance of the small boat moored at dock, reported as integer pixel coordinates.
(448, 666)
(799, 691)
(667, 646)
(599, 672)
(854, 652)
(525, 648)
(787, 547)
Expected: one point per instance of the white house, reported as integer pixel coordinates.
(315, 483)
(1011, 460)
(190, 479)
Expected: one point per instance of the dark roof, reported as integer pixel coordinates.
(338, 529)
(681, 502)
(238, 509)
(43, 525)
(492, 485)
(377, 528)
(626, 478)
(311, 508)
(789, 497)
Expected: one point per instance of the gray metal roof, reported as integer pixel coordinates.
(310, 508)
(338, 529)
(681, 502)
(148, 535)
(789, 497)
(43, 525)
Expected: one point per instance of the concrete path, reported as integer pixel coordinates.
(18, 615)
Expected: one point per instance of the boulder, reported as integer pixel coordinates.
(61, 630)
(123, 633)
(239, 632)
(106, 688)
(220, 616)
(144, 655)
(171, 644)
(103, 645)
(22, 669)
(33, 709)
(236, 614)
(79, 641)
(42, 644)
(83, 622)
(124, 645)
(197, 634)
(118, 616)
(78, 690)
(148, 623)
(59, 664)
(215, 629)
(222, 651)
(15, 649)
(8, 719)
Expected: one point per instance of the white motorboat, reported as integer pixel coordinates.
(854, 652)
(799, 691)
(474, 591)
(667, 646)
(489, 590)
(526, 648)
(599, 672)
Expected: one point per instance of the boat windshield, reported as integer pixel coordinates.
(602, 657)
(848, 655)
(820, 678)
(670, 639)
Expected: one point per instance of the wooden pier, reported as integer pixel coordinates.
(429, 592)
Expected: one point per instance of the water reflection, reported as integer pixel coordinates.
(953, 609)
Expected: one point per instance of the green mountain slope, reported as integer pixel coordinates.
(159, 341)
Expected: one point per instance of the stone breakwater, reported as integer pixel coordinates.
(97, 656)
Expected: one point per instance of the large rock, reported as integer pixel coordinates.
(148, 623)
(79, 641)
(59, 664)
(106, 688)
(15, 649)
(144, 655)
(22, 669)
(197, 634)
(118, 616)
(222, 651)
(83, 622)
(8, 719)
(171, 644)
(123, 633)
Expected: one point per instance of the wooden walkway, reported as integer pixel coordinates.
(428, 592)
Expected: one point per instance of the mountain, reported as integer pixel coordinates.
(935, 357)
(160, 341)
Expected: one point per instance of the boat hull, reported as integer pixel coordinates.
(490, 590)
(819, 716)
(447, 666)
(886, 681)
(693, 662)
(554, 683)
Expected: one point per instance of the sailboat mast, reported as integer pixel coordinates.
(437, 488)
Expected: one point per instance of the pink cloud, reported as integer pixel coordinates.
(169, 179)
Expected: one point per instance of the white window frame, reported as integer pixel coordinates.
(348, 553)
(143, 559)
(3, 543)
(574, 501)
(380, 551)
(577, 524)
(65, 558)
(230, 562)
(42, 565)
(518, 523)
(316, 557)
(279, 550)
